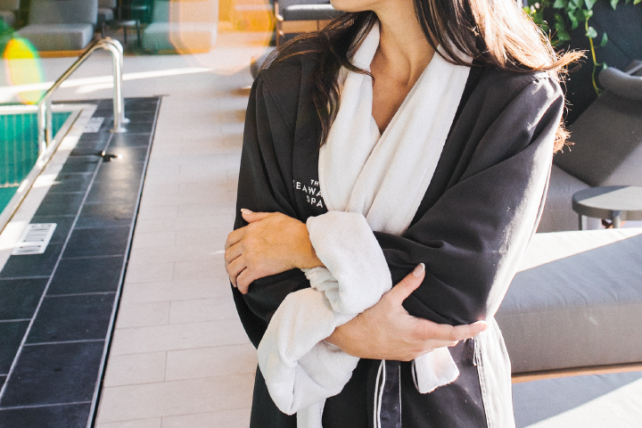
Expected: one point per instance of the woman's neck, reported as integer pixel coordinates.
(403, 51)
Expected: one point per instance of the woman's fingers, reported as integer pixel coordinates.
(251, 216)
(234, 269)
(233, 253)
(406, 286)
(244, 280)
(431, 332)
(234, 237)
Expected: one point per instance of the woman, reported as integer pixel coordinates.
(410, 137)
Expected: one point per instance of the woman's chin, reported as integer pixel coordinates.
(349, 5)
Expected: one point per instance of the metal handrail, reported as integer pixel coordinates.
(45, 122)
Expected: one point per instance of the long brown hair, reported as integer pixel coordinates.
(491, 32)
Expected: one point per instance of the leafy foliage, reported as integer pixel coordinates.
(570, 14)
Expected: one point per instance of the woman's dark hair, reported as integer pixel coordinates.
(491, 32)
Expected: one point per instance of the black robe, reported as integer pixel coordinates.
(479, 211)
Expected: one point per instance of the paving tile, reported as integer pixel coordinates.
(109, 171)
(183, 223)
(67, 416)
(197, 310)
(80, 164)
(130, 140)
(123, 192)
(11, 334)
(140, 423)
(144, 116)
(87, 275)
(135, 128)
(162, 291)
(161, 188)
(20, 297)
(66, 183)
(63, 226)
(175, 398)
(54, 374)
(33, 264)
(2, 380)
(148, 272)
(65, 318)
(178, 336)
(129, 154)
(61, 204)
(212, 237)
(236, 418)
(89, 147)
(135, 369)
(164, 254)
(147, 212)
(200, 210)
(88, 137)
(108, 214)
(210, 362)
(97, 242)
(199, 269)
(132, 315)
(154, 239)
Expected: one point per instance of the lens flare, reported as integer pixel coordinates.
(23, 67)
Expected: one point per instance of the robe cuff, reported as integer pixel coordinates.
(434, 369)
(357, 272)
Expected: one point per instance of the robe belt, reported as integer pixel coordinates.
(384, 390)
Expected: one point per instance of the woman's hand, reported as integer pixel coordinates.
(272, 243)
(387, 332)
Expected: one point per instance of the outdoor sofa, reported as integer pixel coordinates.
(577, 301)
(60, 25)
(183, 26)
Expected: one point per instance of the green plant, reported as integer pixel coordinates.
(569, 14)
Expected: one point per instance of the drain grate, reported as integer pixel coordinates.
(94, 125)
(35, 239)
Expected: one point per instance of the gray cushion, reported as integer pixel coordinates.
(198, 37)
(9, 18)
(310, 12)
(577, 301)
(558, 213)
(608, 143)
(58, 37)
(621, 83)
(63, 12)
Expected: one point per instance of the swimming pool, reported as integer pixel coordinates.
(19, 149)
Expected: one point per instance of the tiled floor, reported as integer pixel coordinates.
(63, 302)
(179, 356)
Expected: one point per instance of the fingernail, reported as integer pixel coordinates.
(246, 211)
(419, 270)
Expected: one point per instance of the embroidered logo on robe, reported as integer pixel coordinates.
(311, 190)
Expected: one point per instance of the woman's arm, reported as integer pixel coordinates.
(270, 244)
(474, 233)
(388, 331)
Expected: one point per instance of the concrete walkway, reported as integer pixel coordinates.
(179, 357)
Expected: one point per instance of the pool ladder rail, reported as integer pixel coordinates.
(45, 121)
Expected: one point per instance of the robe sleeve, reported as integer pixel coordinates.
(264, 187)
(471, 239)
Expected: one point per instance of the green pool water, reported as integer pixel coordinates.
(19, 149)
